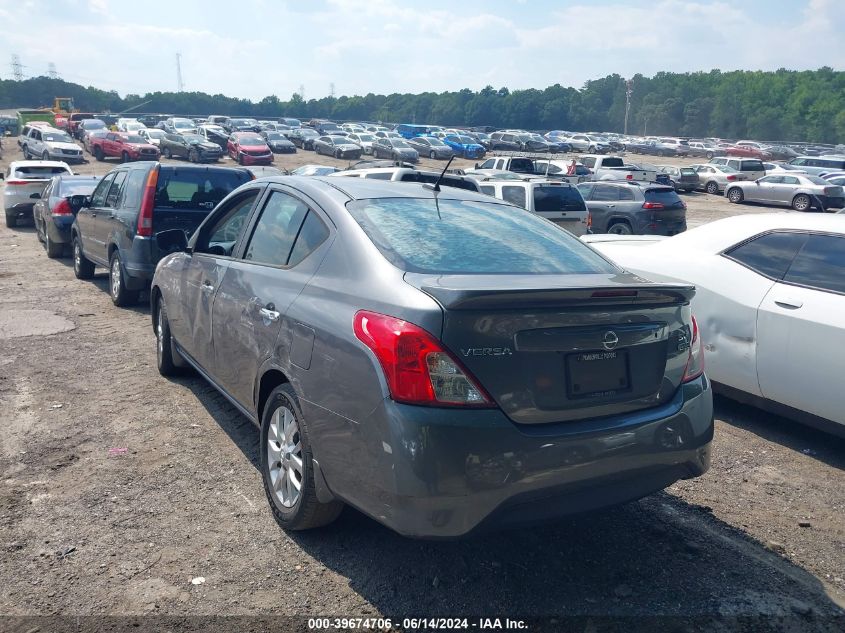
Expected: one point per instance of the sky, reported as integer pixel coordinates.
(255, 48)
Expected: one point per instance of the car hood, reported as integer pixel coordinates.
(61, 145)
(207, 145)
(142, 145)
(254, 147)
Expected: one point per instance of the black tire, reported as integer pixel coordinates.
(620, 227)
(710, 155)
(82, 267)
(167, 153)
(240, 159)
(802, 202)
(124, 157)
(120, 295)
(98, 153)
(306, 511)
(735, 195)
(45, 155)
(54, 250)
(712, 187)
(193, 157)
(26, 155)
(11, 221)
(164, 342)
(432, 155)
(337, 154)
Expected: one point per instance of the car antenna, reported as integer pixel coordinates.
(436, 185)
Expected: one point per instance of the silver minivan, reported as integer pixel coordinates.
(817, 165)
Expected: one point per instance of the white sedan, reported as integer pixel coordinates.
(770, 303)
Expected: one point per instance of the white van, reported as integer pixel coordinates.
(557, 201)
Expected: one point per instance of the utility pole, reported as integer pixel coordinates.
(629, 88)
(179, 82)
(52, 73)
(331, 90)
(302, 91)
(17, 67)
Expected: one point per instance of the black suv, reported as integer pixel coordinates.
(634, 208)
(135, 214)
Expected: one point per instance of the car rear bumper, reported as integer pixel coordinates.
(832, 203)
(443, 473)
(249, 159)
(59, 228)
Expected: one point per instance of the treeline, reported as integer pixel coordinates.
(782, 105)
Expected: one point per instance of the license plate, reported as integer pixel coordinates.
(597, 374)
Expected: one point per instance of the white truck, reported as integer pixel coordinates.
(614, 168)
(525, 166)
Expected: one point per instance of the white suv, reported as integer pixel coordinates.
(49, 143)
(25, 182)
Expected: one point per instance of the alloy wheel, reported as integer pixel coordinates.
(115, 278)
(284, 457)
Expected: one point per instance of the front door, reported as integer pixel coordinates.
(86, 219)
(258, 288)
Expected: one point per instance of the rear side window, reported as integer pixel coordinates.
(522, 165)
(380, 176)
(276, 230)
(471, 237)
(751, 165)
(490, 191)
(605, 193)
(820, 264)
(198, 189)
(558, 199)
(311, 235)
(770, 254)
(514, 195)
(113, 196)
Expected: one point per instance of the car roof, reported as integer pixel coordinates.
(38, 163)
(369, 188)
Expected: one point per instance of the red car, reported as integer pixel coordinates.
(747, 151)
(249, 149)
(124, 146)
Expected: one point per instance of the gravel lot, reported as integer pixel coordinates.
(119, 487)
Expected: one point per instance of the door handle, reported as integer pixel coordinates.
(789, 303)
(269, 313)
(207, 287)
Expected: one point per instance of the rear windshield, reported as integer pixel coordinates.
(612, 162)
(687, 171)
(78, 187)
(666, 196)
(196, 189)
(471, 237)
(558, 199)
(522, 165)
(39, 172)
(751, 165)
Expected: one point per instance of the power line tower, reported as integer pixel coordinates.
(179, 82)
(52, 73)
(629, 89)
(331, 90)
(302, 91)
(17, 67)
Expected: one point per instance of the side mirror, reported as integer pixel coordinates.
(477, 165)
(172, 241)
(2, 176)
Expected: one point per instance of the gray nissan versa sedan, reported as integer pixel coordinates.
(442, 361)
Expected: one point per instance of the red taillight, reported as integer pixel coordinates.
(417, 367)
(695, 362)
(17, 182)
(731, 178)
(62, 208)
(145, 216)
(629, 177)
(653, 205)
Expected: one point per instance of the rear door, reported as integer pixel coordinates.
(563, 205)
(258, 287)
(107, 217)
(602, 204)
(86, 218)
(799, 360)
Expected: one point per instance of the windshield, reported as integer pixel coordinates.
(155, 133)
(367, 138)
(57, 137)
(275, 136)
(401, 144)
(471, 237)
(240, 123)
(182, 123)
(93, 124)
(133, 138)
(193, 138)
(214, 128)
(308, 133)
(464, 139)
(250, 139)
(434, 141)
(134, 126)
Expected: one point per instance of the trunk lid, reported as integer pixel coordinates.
(553, 348)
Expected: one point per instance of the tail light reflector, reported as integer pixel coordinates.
(695, 362)
(417, 368)
(62, 208)
(653, 205)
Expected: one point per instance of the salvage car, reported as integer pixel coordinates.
(338, 147)
(394, 149)
(303, 137)
(432, 147)
(770, 292)
(714, 178)
(49, 143)
(151, 135)
(681, 178)
(53, 212)
(364, 139)
(802, 192)
(124, 224)
(494, 370)
(127, 147)
(24, 182)
(278, 142)
(628, 207)
(194, 147)
(464, 146)
(248, 148)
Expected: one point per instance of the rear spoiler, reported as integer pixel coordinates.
(456, 297)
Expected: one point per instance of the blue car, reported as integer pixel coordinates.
(464, 146)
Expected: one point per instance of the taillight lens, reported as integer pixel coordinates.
(17, 182)
(417, 367)
(589, 220)
(629, 177)
(653, 205)
(62, 208)
(145, 216)
(731, 178)
(695, 362)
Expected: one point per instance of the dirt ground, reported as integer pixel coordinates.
(119, 487)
